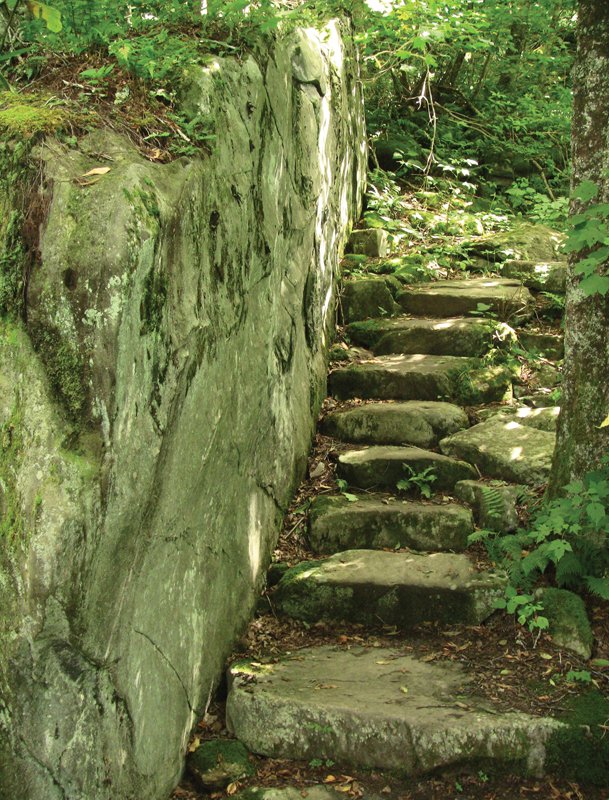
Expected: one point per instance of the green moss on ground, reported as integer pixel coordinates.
(26, 115)
(580, 751)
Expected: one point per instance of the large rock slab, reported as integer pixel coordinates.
(455, 336)
(380, 709)
(421, 377)
(453, 298)
(544, 419)
(526, 241)
(416, 422)
(375, 587)
(380, 467)
(335, 523)
(504, 449)
(179, 314)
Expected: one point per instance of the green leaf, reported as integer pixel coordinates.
(50, 15)
(352, 498)
(585, 191)
(598, 586)
(595, 284)
(596, 513)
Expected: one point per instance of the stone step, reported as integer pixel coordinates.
(380, 709)
(456, 297)
(422, 423)
(455, 336)
(374, 587)
(374, 522)
(505, 449)
(421, 377)
(381, 467)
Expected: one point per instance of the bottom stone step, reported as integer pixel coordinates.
(377, 708)
(375, 587)
(336, 523)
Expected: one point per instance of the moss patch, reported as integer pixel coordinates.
(65, 369)
(580, 751)
(27, 115)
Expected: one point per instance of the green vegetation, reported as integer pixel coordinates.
(580, 757)
(418, 482)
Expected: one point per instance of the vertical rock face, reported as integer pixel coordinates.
(157, 412)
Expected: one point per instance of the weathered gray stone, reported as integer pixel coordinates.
(144, 504)
(526, 241)
(365, 298)
(544, 419)
(416, 422)
(494, 506)
(569, 624)
(540, 275)
(504, 449)
(335, 523)
(403, 589)
(506, 298)
(371, 242)
(218, 762)
(383, 467)
(450, 337)
(421, 377)
(550, 345)
(377, 708)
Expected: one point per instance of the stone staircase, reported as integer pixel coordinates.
(386, 560)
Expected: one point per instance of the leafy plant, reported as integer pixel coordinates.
(343, 486)
(417, 481)
(588, 235)
(568, 539)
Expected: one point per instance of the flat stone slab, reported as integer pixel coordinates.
(504, 449)
(456, 297)
(544, 419)
(455, 336)
(379, 467)
(374, 587)
(372, 522)
(377, 708)
(422, 423)
(421, 377)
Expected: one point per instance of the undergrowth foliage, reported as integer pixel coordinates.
(567, 541)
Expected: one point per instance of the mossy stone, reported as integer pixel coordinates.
(569, 623)
(218, 762)
(580, 751)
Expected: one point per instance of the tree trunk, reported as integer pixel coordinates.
(585, 398)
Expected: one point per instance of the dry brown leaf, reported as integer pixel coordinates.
(194, 744)
(96, 171)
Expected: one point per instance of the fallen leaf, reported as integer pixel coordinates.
(194, 744)
(545, 656)
(96, 171)
(232, 788)
(330, 779)
(404, 689)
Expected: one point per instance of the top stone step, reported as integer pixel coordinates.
(455, 297)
